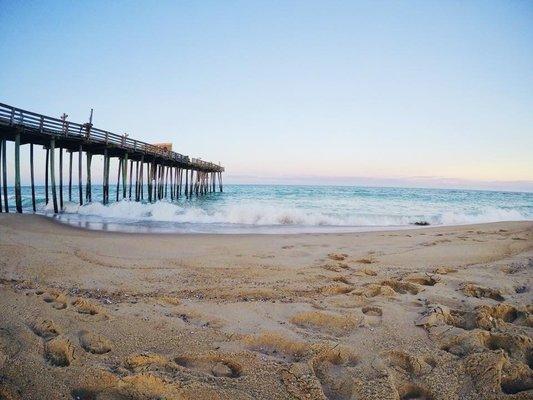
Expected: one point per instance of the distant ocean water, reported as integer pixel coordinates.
(291, 209)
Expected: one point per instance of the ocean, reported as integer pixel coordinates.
(290, 209)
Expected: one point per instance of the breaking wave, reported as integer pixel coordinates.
(258, 214)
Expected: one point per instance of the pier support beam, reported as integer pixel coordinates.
(124, 176)
(131, 177)
(105, 180)
(32, 178)
(53, 173)
(88, 186)
(46, 176)
(118, 177)
(18, 193)
(181, 180)
(141, 180)
(1, 143)
(61, 178)
(80, 178)
(191, 183)
(186, 183)
(70, 177)
(4, 175)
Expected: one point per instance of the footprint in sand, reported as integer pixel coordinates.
(518, 347)
(215, 365)
(93, 343)
(59, 351)
(373, 315)
(141, 386)
(472, 290)
(334, 369)
(424, 280)
(494, 372)
(84, 306)
(408, 364)
(412, 391)
(402, 287)
(46, 329)
(57, 299)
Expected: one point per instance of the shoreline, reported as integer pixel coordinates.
(94, 315)
(383, 229)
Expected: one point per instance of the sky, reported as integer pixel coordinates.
(407, 93)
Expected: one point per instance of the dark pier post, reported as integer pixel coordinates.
(4, 174)
(88, 186)
(148, 181)
(136, 181)
(18, 194)
(107, 170)
(181, 181)
(191, 183)
(53, 173)
(141, 180)
(161, 181)
(46, 176)
(70, 176)
(1, 142)
(131, 177)
(178, 182)
(32, 179)
(186, 183)
(103, 176)
(125, 176)
(195, 190)
(61, 178)
(80, 179)
(172, 171)
(154, 182)
(167, 170)
(118, 176)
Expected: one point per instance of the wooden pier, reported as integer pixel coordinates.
(164, 173)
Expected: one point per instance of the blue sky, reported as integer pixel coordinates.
(291, 91)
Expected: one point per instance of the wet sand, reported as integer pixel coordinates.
(432, 313)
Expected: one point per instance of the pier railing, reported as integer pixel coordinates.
(13, 116)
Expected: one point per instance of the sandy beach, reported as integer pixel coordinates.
(431, 313)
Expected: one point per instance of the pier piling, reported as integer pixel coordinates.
(32, 179)
(18, 193)
(53, 174)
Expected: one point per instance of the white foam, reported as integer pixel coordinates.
(262, 214)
